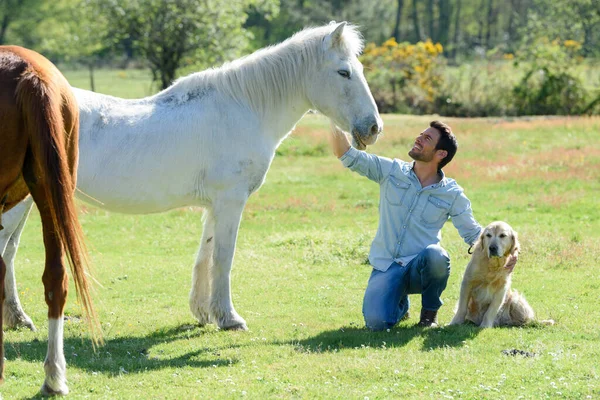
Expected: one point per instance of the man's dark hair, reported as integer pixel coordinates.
(447, 142)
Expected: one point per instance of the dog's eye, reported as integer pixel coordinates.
(488, 235)
(503, 235)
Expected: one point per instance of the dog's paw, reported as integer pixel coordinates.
(457, 320)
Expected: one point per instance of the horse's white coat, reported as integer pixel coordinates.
(209, 139)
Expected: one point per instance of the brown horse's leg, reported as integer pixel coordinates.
(55, 288)
(2, 274)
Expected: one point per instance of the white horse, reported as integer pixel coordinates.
(208, 140)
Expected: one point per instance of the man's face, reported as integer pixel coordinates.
(424, 146)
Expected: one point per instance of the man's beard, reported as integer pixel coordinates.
(420, 156)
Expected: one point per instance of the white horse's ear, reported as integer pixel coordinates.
(335, 37)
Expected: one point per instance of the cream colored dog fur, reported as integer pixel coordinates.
(486, 297)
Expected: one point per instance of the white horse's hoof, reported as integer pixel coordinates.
(233, 323)
(236, 327)
(14, 317)
(61, 390)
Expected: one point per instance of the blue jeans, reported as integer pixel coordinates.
(386, 297)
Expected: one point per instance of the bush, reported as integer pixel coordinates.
(477, 89)
(549, 85)
(403, 76)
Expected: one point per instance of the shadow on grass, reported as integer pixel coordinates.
(449, 336)
(128, 354)
(354, 337)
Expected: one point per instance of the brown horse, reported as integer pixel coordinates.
(39, 130)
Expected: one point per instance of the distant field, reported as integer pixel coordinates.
(300, 272)
(126, 83)
(474, 81)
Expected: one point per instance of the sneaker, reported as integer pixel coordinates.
(428, 318)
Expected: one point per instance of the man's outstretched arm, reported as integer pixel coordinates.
(373, 167)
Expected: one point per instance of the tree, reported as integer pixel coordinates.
(573, 20)
(171, 33)
(70, 31)
(11, 11)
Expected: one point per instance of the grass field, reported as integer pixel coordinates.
(300, 271)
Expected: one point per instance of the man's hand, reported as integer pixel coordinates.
(511, 261)
(338, 140)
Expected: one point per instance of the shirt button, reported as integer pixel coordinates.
(404, 227)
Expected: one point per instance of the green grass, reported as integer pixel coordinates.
(300, 272)
(126, 83)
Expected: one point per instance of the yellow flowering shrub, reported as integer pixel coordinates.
(403, 75)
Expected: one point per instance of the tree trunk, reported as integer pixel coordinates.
(489, 24)
(3, 28)
(396, 33)
(415, 18)
(443, 31)
(430, 16)
(91, 70)
(480, 24)
(456, 29)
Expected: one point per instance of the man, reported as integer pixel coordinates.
(416, 199)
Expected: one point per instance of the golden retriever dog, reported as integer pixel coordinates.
(486, 298)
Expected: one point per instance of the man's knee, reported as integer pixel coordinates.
(437, 261)
(377, 314)
(376, 321)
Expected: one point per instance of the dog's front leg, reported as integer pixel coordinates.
(463, 299)
(492, 311)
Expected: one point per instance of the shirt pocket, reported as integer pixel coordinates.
(396, 190)
(436, 211)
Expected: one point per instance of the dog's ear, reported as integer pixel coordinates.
(516, 246)
(480, 241)
(477, 246)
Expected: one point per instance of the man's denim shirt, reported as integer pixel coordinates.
(410, 217)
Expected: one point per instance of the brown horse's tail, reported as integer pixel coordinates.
(42, 103)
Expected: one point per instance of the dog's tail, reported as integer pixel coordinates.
(517, 311)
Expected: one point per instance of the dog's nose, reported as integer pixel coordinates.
(493, 249)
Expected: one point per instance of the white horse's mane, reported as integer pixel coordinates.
(262, 78)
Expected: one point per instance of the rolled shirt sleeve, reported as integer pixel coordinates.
(462, 218)
(374, 167)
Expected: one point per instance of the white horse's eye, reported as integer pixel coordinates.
(344, 73)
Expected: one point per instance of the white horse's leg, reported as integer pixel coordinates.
(227, 214)
(55, 364)
(200, 293)
(14, 221)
